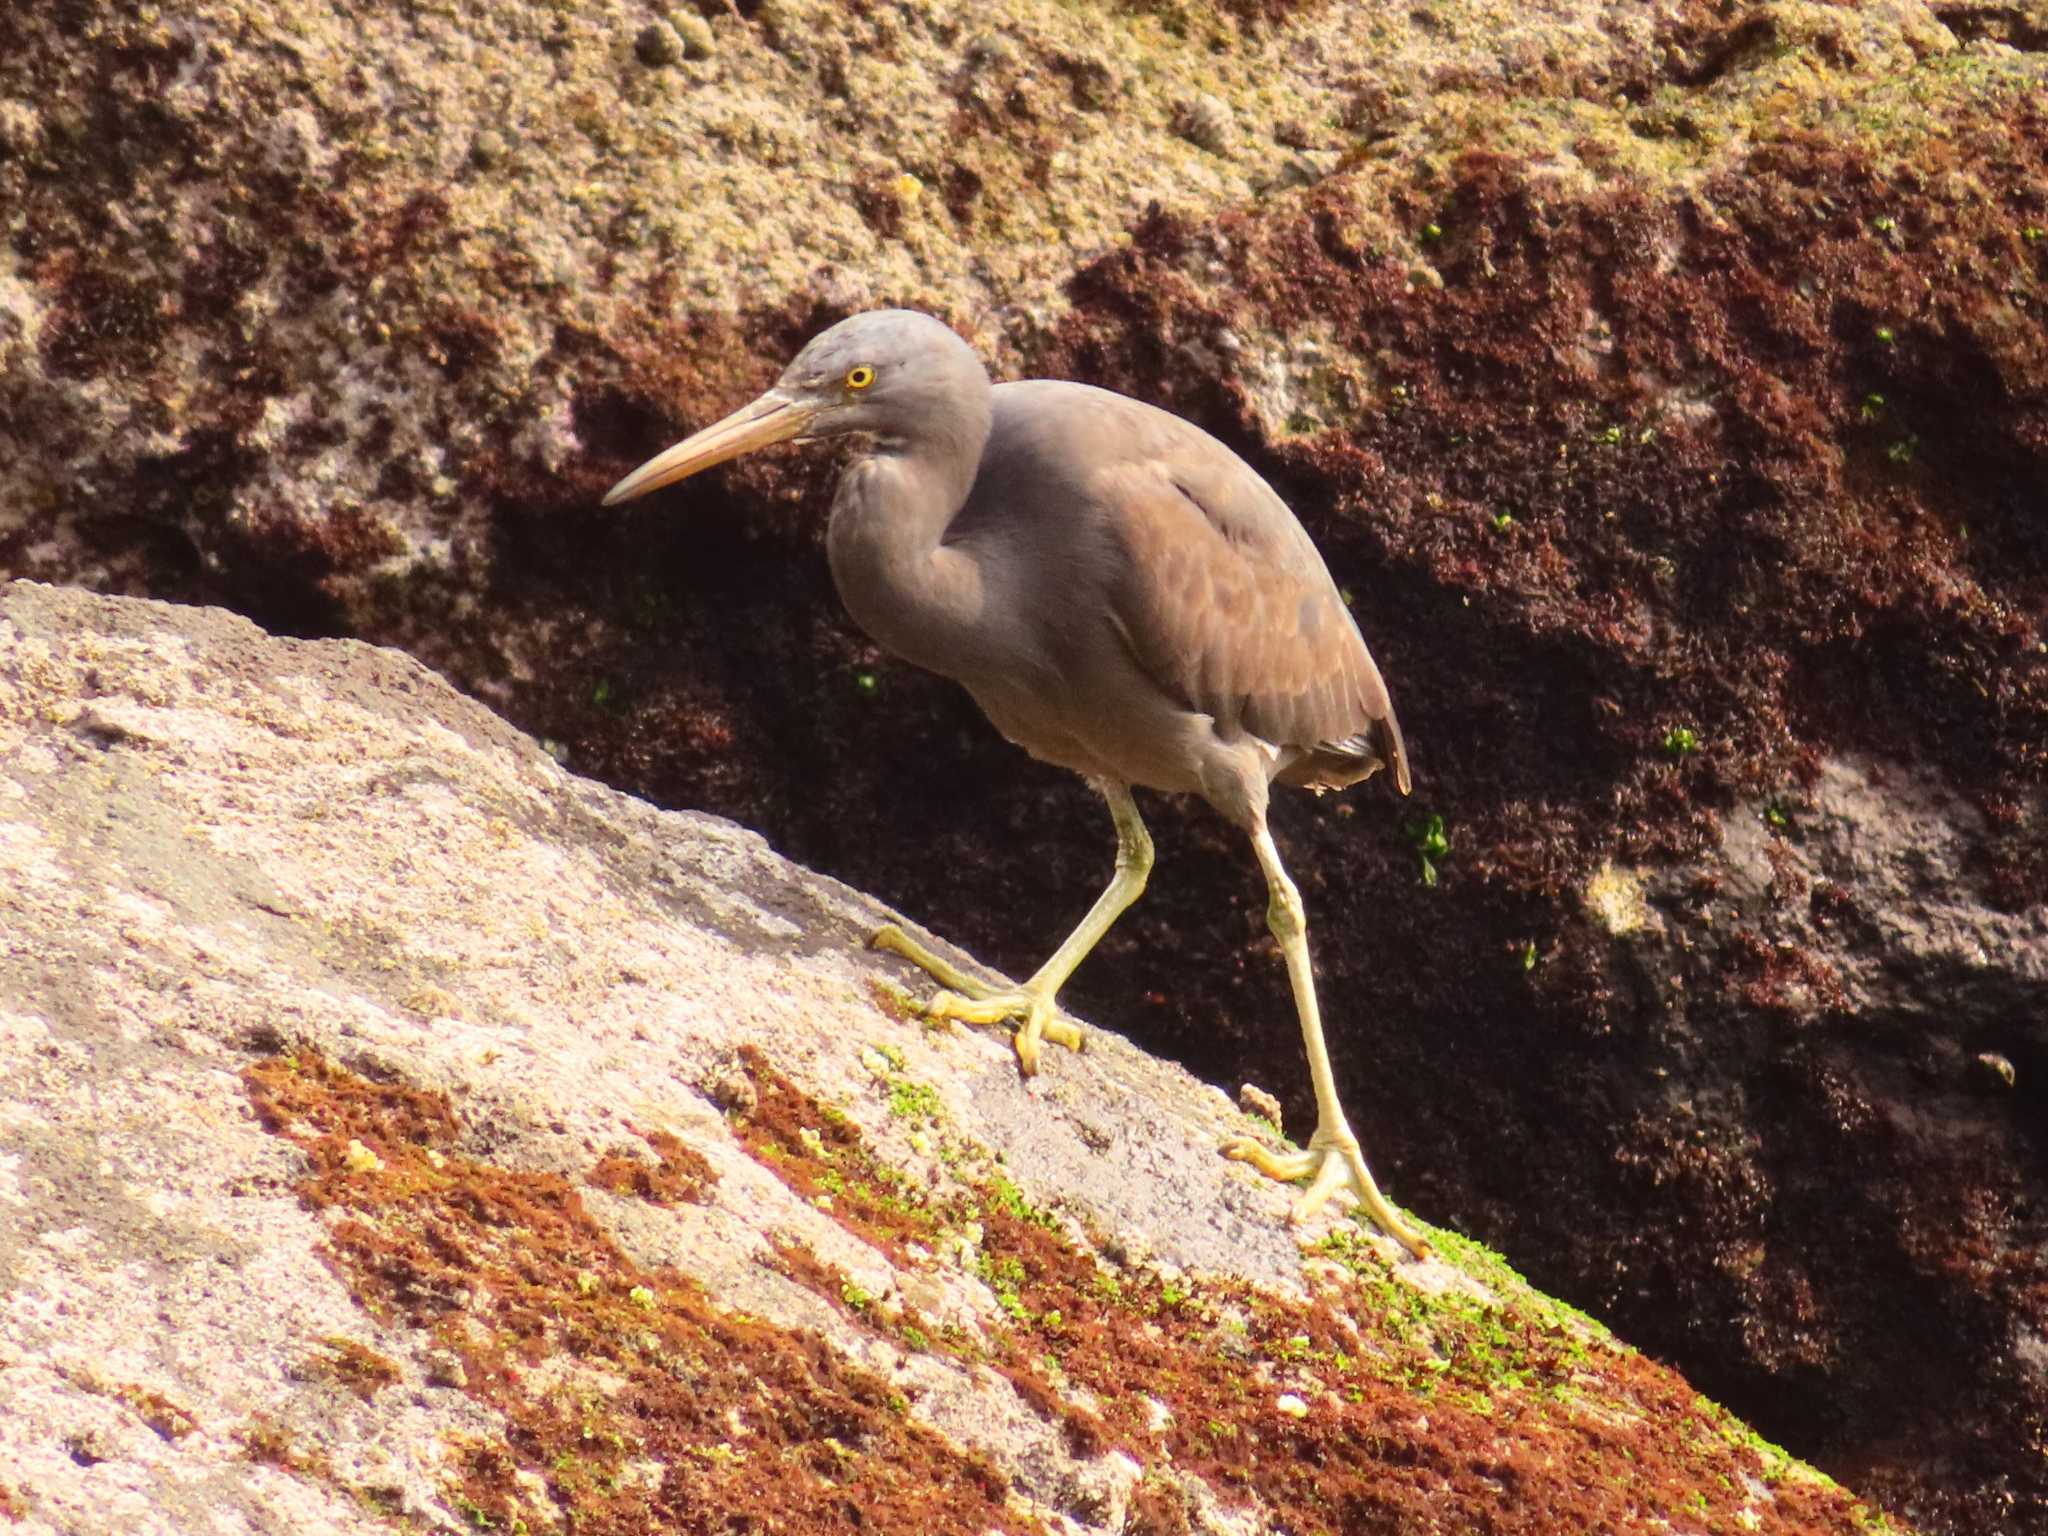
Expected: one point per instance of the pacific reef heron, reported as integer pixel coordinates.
(1122, 595)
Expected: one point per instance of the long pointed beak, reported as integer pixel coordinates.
(773, 418)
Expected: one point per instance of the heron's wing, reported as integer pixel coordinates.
(1227, 605)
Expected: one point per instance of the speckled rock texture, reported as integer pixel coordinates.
(397, 1131)
(1666, 382)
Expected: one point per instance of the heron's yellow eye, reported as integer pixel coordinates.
(861, 377)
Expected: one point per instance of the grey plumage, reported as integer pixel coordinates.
(1122, 595)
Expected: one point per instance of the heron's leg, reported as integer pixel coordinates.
(975, 1002)
(1332, 1160)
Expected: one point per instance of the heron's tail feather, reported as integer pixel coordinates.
(1340, 764)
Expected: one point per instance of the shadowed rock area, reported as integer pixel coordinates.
(1666, 382)
(400, 1132)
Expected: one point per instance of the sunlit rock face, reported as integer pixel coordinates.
(1666, 389)
(399, 1127)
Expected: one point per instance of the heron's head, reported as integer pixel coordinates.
(891, 372)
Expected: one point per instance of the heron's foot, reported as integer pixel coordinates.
(1330, 1163)
(1036, 1012)
(973, 1001)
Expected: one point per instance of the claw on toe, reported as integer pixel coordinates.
(1328, 1166)
(1044, 1027)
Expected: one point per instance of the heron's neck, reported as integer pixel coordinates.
(913, 593)
(943, 454)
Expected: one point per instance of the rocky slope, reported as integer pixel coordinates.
(399, 1132)
(1666, 382)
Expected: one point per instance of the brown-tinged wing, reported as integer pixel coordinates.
(1227, 604)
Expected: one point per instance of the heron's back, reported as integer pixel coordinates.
(1145, 574)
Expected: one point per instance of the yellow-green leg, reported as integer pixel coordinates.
(1333, 1160)
(975, 1002)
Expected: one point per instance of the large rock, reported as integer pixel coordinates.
(397, 1127)
(303, 286)
(1666, 381)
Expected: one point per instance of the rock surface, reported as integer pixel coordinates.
(397, 1129)
(1667, 381)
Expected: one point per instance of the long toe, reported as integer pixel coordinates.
(892, 938)
(1284, 1166)
(992, 1008)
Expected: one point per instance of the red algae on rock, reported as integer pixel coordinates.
(632, 1402)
